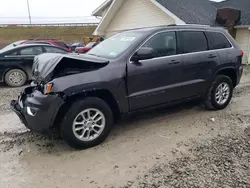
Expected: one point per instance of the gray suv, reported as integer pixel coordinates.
(82, 95)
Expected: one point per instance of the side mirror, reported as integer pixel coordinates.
(142, 54)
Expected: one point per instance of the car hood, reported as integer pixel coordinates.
(49, 66)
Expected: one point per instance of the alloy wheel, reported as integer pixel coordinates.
(222, 93)
(89, 124)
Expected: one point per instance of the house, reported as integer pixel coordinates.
(121, 15)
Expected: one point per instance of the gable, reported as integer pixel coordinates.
(102, 9)
(136, 14)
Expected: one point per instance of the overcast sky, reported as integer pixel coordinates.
(15, 11)
(49, 11)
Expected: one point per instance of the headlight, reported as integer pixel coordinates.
(48, 88)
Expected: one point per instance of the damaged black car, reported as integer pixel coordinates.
(82, 95)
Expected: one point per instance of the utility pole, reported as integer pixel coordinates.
(28, 5)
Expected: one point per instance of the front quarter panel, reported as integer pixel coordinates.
(111, 78)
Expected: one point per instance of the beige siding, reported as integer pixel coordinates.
(136, 14)
(243, 39)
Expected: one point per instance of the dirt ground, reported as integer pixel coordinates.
(183, 146)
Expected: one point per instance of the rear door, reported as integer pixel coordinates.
(156, 81)
(221, 44)
(199, 62)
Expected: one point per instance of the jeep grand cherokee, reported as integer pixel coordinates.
(131, 71)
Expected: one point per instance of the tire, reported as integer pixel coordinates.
(19, 75)
(211, 101)
(68, 129)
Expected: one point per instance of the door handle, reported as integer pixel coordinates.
(212, 56)
(174, 62)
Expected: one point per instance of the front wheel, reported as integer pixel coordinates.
(87, 123)
(219, 94)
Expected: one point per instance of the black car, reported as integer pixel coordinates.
(16, 63)
(82, 95)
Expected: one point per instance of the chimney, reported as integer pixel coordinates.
(228, 17)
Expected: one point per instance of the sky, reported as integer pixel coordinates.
(48, 11)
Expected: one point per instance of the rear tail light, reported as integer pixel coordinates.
(241, 53)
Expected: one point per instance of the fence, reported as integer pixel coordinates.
(50, 24)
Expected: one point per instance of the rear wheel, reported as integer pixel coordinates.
(15, 78)
(220, 93)
(87, 123)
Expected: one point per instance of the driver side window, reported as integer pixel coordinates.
(163, 44)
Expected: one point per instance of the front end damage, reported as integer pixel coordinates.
(36, 110)
(37, 106)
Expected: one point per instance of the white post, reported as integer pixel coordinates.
(28, 5)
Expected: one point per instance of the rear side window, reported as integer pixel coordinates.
(219, 41)
(193, 41)
(163, 44)
(54, 50)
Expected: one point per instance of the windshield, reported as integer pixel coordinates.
(114, 46)
(11, 45)
(89, 45)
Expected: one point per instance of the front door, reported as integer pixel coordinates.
(158, 80)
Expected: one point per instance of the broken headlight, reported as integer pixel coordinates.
(47, 88)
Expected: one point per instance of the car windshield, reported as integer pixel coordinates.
(89, 45)
(115, 45)
(12, 45)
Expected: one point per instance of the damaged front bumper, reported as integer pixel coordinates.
(36, 110)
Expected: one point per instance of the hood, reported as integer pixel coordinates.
(49, 66)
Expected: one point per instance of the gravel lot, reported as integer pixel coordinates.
(183, 146)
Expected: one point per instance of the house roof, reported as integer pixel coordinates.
(182, 11)
(243, 5)
(192, 11)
